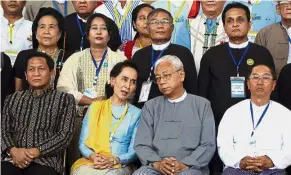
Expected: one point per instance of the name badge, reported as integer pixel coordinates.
(252, 147)
(145, 91)
(91, 93)
(237, 87)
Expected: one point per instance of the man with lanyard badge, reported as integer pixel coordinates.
(224, 68)
(252, 137)
(160, 26)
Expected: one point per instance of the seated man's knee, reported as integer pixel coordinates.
(146, 170)
(191, 172)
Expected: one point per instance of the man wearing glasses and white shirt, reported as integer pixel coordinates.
(254, 135)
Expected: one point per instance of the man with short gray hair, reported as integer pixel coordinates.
(176, 134)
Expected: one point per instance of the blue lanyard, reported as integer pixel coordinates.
(153, 59)
(56, 5)
(81, 31)
(260, 119)
(100, 65)
(241, 58)
(289, 39)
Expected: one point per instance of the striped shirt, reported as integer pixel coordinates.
(44, 121)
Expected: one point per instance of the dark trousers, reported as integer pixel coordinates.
(8, 168)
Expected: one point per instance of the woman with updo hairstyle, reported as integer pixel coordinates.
(109, 128)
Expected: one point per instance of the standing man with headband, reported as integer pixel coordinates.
(160, 26)
(120, 12)
(276, 37)
(252, 137)
(64, 7)
(76, 23)
(224, 68)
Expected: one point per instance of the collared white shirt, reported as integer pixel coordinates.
(238, 46)
(161, 46)
(84, 20)
(271, 137)
(20, 33)
(61, 1)
(177, 100)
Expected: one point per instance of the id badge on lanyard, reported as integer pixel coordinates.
(252, 146)
(146, 86)
(237, 85)
(145, 91)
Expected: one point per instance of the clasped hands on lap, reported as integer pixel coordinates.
(170, 166)
(256, 164)
(22, 157)
(103, 162)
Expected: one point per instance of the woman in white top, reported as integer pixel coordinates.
(85, 73)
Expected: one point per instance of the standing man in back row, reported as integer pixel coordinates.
(276, 37)
(224, 68)
(160, 27)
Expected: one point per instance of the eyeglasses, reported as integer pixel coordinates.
(164, 77)
(285, 4)
(266, 78)
(156, 22)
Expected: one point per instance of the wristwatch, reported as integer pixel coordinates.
(7, 151)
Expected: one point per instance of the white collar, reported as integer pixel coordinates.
(61, 1)
(177, 100)
(288, 30)
(259, 108)
(84, 20)
(161, 46)
(218, 18)
(238, 46)
(117, 4)
(18, 22)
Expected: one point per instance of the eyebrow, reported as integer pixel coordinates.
(159, 19)
(128, 78)
(99, 25)
(43, 24)
(266, 73)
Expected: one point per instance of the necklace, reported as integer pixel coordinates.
(53, 54)
(115, 116)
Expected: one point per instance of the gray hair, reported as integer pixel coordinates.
(174, 60)
(160, 10)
